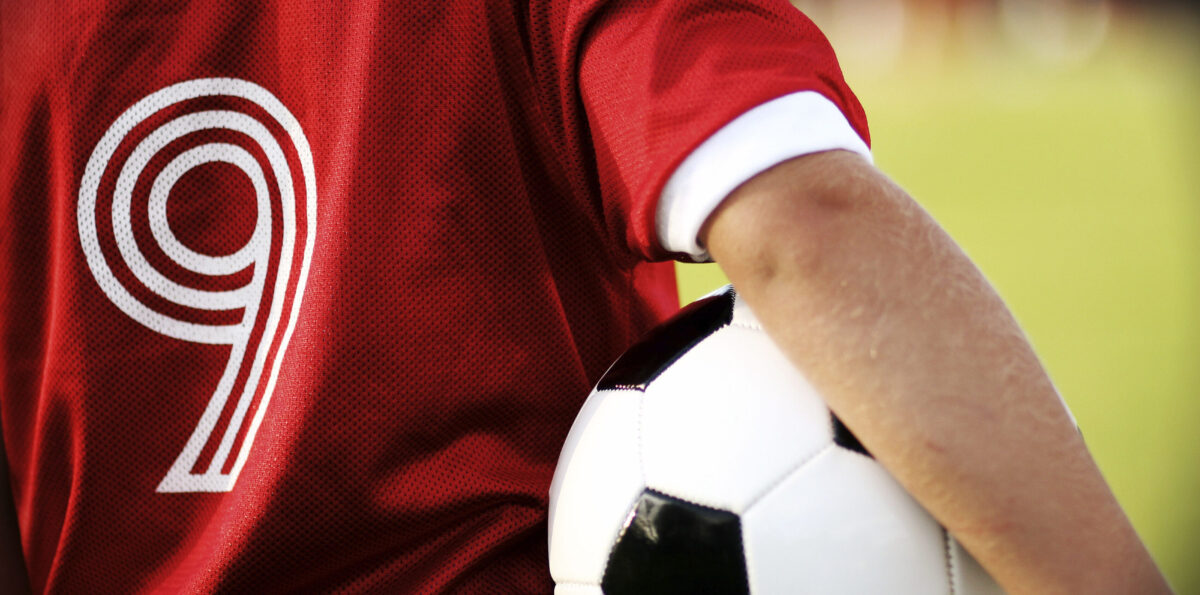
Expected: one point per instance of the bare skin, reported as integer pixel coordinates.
(919, 356)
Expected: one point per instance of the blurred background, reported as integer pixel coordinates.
(1058, 141)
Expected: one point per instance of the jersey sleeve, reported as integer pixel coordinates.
(658, 79)
(790, 126)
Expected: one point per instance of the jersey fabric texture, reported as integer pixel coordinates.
(305, 296)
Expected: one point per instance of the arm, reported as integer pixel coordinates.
(913, 349)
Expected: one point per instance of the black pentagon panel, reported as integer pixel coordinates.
(672, 546)
(843, 437)
(667, 342)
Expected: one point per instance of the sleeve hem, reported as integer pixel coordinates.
(767, 135)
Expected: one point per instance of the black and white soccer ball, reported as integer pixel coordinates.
(703, 462)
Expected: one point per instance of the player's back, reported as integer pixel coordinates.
(299, 298)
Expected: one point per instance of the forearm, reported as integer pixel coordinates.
(917, 354)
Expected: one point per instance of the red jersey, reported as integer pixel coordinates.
(305, 296)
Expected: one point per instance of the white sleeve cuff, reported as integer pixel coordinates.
(765, 136)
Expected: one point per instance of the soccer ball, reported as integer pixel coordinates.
(703, 462)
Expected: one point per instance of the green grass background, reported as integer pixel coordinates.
(1076, 189)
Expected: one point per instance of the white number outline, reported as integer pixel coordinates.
(179, 477)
